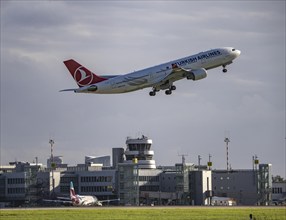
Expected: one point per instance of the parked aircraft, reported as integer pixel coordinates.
(160, 77)
(79, 200)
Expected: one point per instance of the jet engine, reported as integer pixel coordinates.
(197, 74)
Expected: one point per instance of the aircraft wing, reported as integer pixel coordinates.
(67, 90)
(180, 72)
(57, 202)
(176, 74)
(64, 198)
(109, 200)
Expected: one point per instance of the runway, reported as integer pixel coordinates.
(144, 207)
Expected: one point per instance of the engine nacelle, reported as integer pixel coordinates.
(198, 74)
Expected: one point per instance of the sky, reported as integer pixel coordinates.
(246, 104)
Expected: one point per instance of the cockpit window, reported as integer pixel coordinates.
(233, 49)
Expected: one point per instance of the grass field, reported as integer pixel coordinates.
(154, 213)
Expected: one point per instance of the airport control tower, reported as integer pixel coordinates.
(140, 148)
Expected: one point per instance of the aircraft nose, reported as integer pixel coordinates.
(235, 52)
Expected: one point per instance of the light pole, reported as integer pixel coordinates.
(137, 192)
(52, 166)
(226, 140)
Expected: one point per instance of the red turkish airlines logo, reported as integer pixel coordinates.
(82, 76)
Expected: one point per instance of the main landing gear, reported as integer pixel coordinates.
(169, 91)
(153, 92)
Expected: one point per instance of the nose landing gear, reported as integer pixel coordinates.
(224, 69)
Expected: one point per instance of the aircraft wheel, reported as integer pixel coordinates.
(173, 88)
(224, 70)
(168, 92)
(152, 93)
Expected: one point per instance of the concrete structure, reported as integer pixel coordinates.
(19, 186)
(241, 185)
(135, 184)
(135, 179)
(279, 193)
(99, 183)
(200, 185)
(57, 160)
(141, 183)
(140, 148)
(181, 184)
(137, 172)
(30, 183)
(265, 184)
(104, 160)
(117, 157)
(246, 187)
(8, 168)
(14, 187)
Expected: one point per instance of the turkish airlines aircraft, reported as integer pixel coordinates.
(160, 77)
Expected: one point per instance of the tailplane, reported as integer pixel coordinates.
(73, 196)
(82, 75)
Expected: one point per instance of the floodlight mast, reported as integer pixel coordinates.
(51, 142)
(226, 140)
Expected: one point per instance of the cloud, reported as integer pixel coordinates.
(119, 37)
(30, 16)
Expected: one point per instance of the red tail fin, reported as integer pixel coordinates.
(82, 75)
(73, 196)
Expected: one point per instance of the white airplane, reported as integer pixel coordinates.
(79, 200)
(160, 77)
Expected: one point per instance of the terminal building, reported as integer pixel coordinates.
(246, 187)
(135, 179)
(104, 160)
(279, 192)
